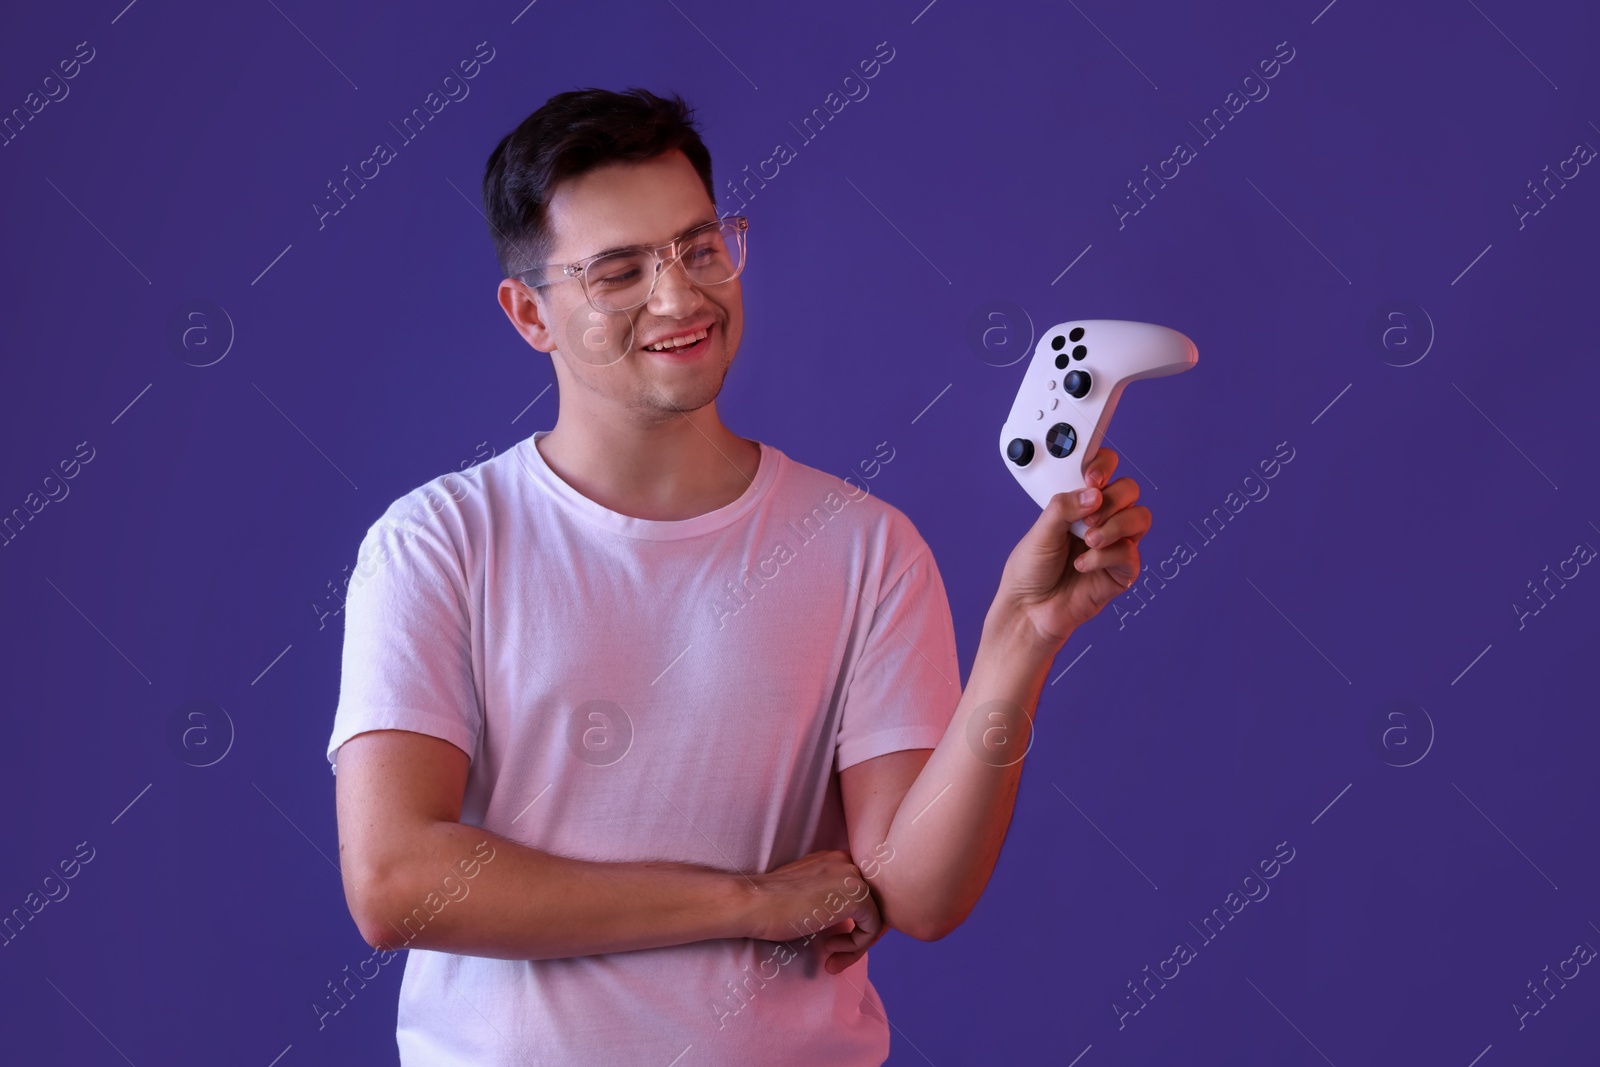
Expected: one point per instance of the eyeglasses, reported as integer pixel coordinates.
(711, 254)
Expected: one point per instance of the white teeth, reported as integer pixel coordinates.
(676, 342)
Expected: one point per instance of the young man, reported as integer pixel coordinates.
(646, 731)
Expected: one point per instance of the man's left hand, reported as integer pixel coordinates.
(1054, 581)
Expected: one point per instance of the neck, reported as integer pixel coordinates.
(675, 469)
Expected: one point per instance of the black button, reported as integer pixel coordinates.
(1020, 451)
(1079, 352)
(1076, 383)
(1061, 440)
(1061, 361)
(1057, 342)
(1077, 333)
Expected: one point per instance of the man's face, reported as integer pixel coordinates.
(621, 205)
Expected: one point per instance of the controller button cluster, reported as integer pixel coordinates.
(1058, 342)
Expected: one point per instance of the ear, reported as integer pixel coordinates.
(529, 314)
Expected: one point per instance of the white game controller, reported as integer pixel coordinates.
(1071, 388)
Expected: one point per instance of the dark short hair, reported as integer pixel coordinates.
(571, 134)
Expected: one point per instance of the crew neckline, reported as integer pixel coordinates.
(533, 462)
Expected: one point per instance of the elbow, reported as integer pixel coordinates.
(930, 931)
(924, 927)
(370, 922)
(937, 925)
(367, 902)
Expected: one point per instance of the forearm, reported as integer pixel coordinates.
(521, 903)
(946, 834)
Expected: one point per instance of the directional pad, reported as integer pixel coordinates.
(1061, 440)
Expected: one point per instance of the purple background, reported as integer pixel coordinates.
(1242, 706)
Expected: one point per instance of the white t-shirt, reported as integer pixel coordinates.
(632, 689)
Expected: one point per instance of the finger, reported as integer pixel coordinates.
(1064, 508)
(1100, 469)
(845, 950)
(1120, 562)
(1116, 496)
(1132, 523)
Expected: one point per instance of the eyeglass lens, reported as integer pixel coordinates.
(623, 281)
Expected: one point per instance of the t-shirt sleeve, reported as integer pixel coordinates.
(907, 680)
(407, 661)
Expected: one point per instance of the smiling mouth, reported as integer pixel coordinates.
(683, 351)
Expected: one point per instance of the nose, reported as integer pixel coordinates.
(674, 295)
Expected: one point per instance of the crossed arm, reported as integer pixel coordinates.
(942, 812)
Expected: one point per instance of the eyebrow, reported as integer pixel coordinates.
(640, 248)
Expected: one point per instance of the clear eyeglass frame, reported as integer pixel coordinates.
(580, 270)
